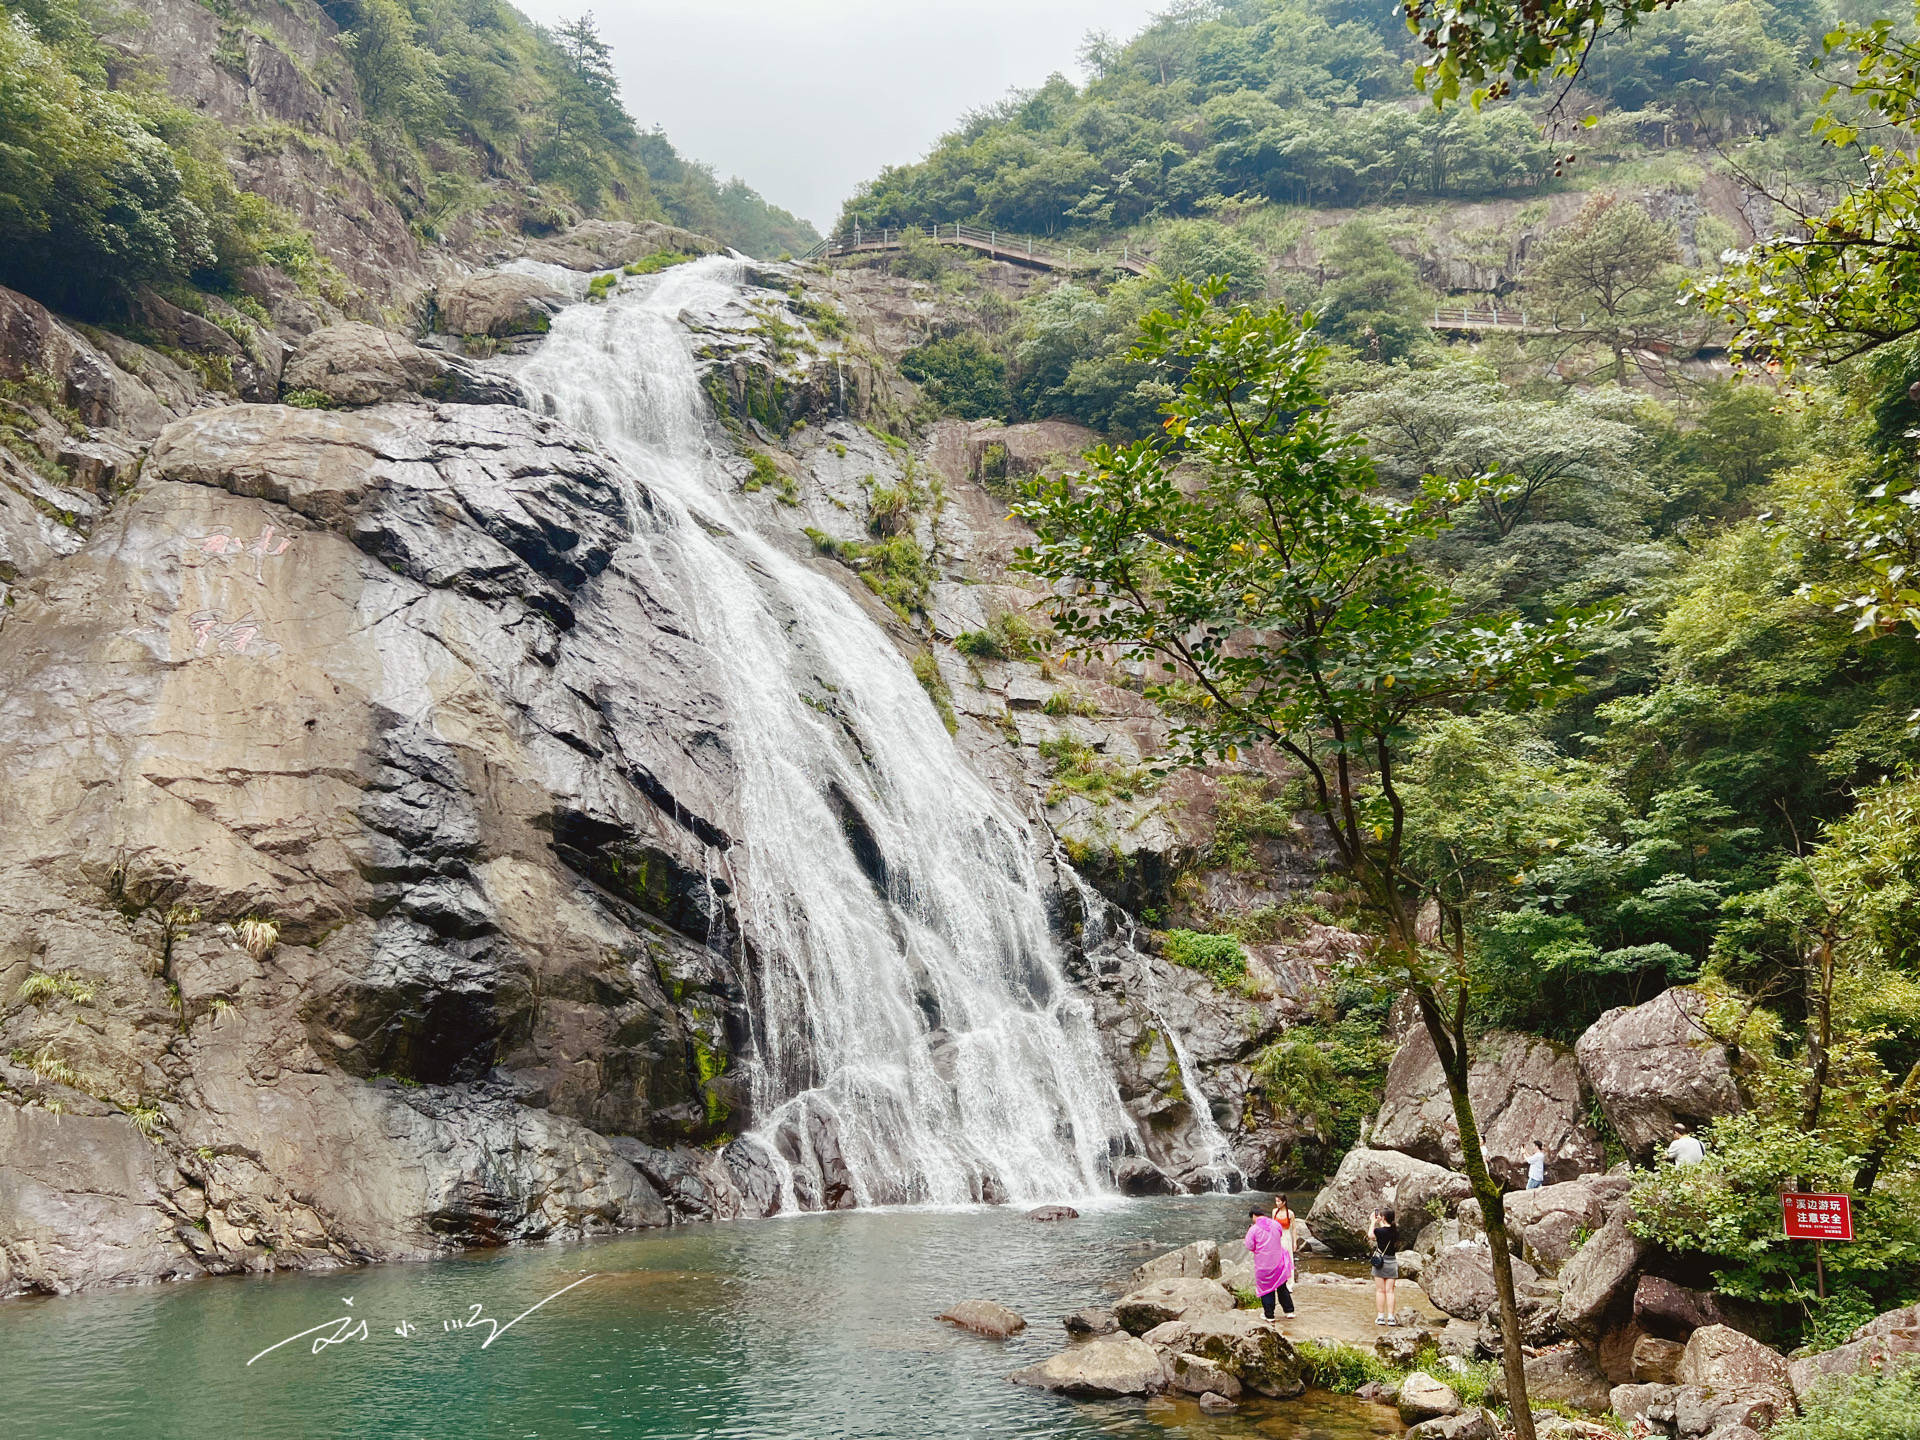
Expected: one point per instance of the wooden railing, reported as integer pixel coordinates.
(999, 244)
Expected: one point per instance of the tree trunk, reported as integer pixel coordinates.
(1451, 1045)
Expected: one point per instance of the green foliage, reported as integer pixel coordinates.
(897, 570)
(1376, 304)
(961, 376)
(1342, 1369)
(1329, 1074)
(1245, 819)
(660, 260)
(1609, 282)
(926, 669)
(601, 286)
(1008, 636)
(1218, 957)
(41, 986)
(1078, 769)
(1884, 1405)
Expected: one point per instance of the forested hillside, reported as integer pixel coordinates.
(1720, 791)
(457, 113)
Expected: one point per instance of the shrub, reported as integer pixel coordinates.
(1860, 1407)
(1331, 1076)
(926, 669)
(1343, 1369)
(601, 286)
(961, 376)
(1218, 957)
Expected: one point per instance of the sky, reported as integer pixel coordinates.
(804, 99)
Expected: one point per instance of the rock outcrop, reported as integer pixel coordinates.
(1370, 1179)
(1523, 1089)
(495, 303)
(1547, 1225)
(1649, 1065)
(1100, 1369)
(1892, 1338)
(353, 364)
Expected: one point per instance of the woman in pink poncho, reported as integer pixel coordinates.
(1272, 1262)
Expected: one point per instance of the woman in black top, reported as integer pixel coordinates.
(1386, 1265)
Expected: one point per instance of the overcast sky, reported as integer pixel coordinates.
(804, 99)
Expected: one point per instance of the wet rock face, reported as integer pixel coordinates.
(1523, 1089)
(354, 364)
(497, 304)
(297, 731)
(1649, 1065)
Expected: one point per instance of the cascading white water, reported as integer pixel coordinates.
(915, 1003)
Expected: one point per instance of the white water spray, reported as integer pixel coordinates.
(917, 1040)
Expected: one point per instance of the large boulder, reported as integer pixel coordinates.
(1698, 1411)
(1136, 1175)
(1672, 1311)
(1642, 1401)
(1093, 1320)
(497, 303)
(1166, 1300)
(984, 1317)
(1420, 1191)
(1649, 1065)
(354, 364)
(1722, 1358)
(1873, 1346)
(1250, 1348)
(1656, 1361)
(1460, 1280)
(1547, 1225)
(1568, 1376)
(1196, 1375)
(1596, 1285)
(1100, 1369)
(1198, 1261)
(1422, 1397)
(1523, 1089)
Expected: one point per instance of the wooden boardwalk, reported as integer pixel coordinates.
(996, 244)
(1046, 255)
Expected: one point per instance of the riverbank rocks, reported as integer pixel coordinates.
(1650, 1402)
(1137, 1176)
(1474, 1424)
(353, 364)
(1100, 1369)
(1421, 1191)
(1893, 1337)
(1422, 1397)
(1672, 1311)
(1569, 1376)
(1166, 1300)
(1249, 1347)
(1649, 1065)
(984, 1317)
(1199, 1376)
(1523, 1089)
(1656, 1361)
(1550, 1223)
(497, 303)
(1051, 1214)
(1721, 1358)
(1198, 1261)
(1091, 1321)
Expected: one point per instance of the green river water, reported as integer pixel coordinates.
(818, 1326)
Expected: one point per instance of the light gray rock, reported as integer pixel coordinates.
(1651, 1064)
(1657, 1361)
(1891, 1338)
(1091, 1321)
(1115, 1366)
(1523, 1089)
(353, 364)
(1164, 1300)
(1633, 1402)
(1475, 1424)
(1550, 1223)
(1215, 1404)
(1360, 1186)
(1198, 1376)
(984, 1317)
(496, 303)
(1198, 1261)
(1722, 1358)
(1422, 1397)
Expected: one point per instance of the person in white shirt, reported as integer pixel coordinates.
(1537, 1166)
(1686, 1148)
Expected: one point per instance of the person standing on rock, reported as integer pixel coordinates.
(1686, 1148)
(1537, 1166)
(1386, 1265)
(1284, 1217)
(1272, 1262)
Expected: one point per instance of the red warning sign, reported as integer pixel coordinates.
(1817, 1217)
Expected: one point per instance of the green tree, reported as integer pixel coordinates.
(1611, 281)
(1278, 597)
(1375, 303)
(962, 376)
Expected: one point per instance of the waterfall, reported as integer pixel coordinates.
(916, 1039)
